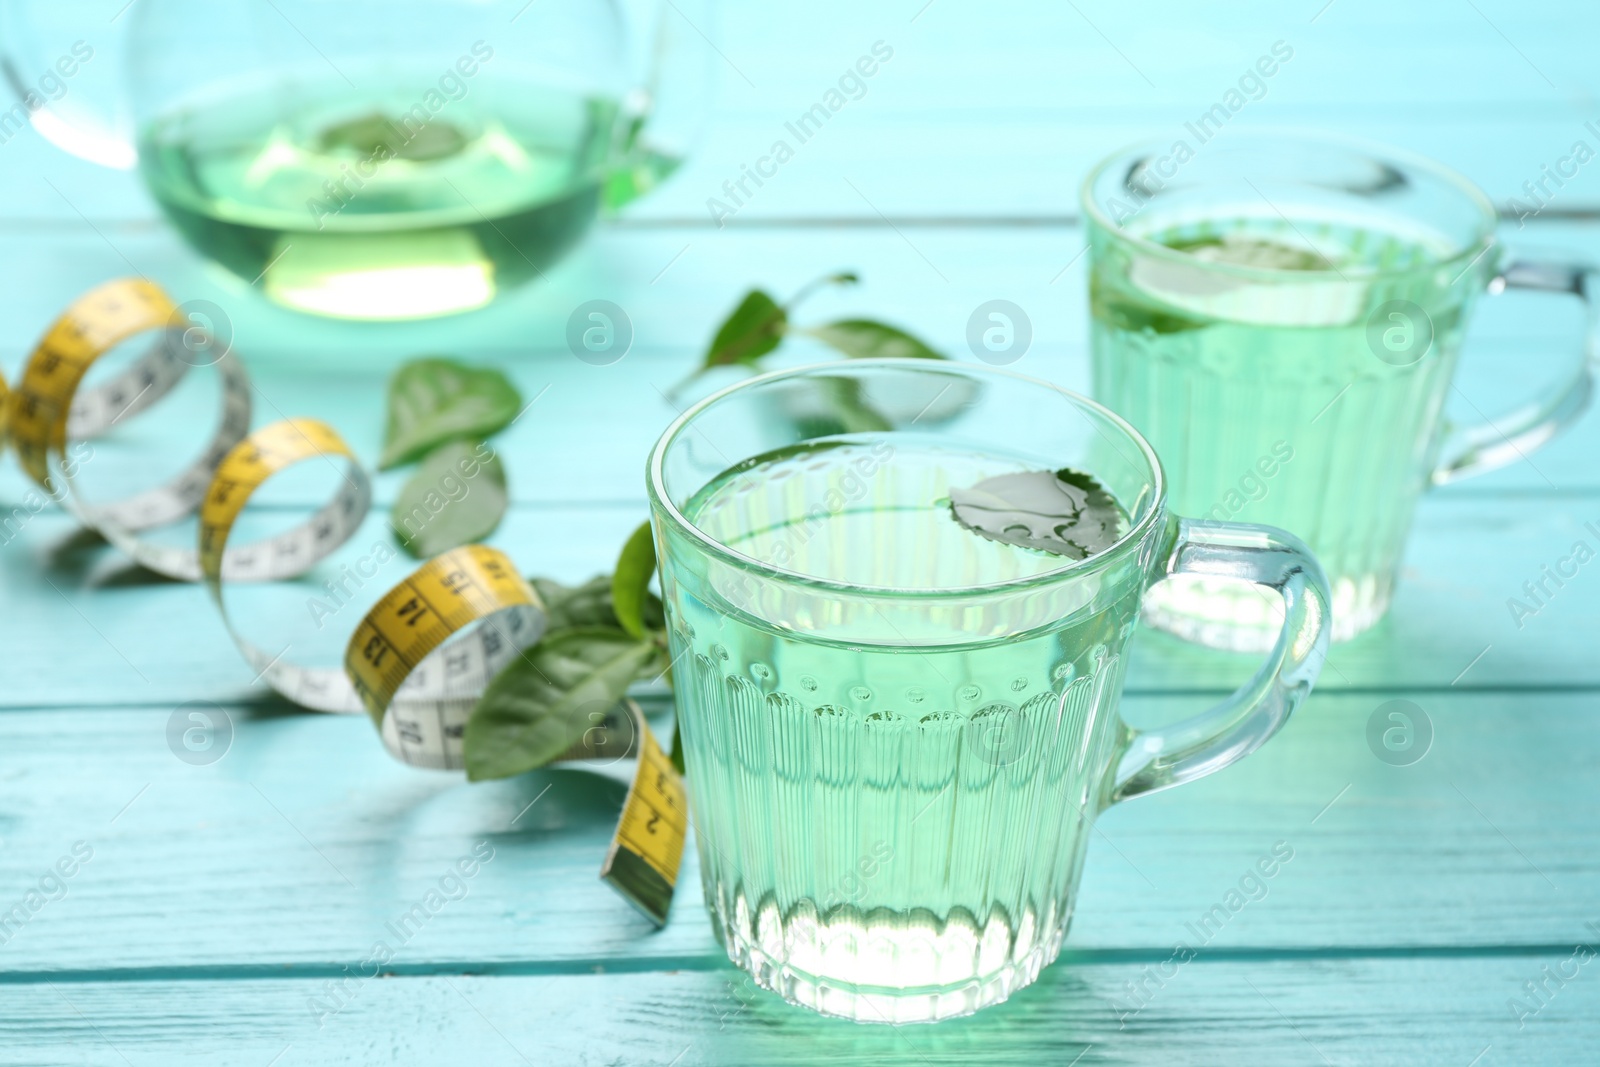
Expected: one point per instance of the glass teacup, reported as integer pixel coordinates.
(898, 731)
(1280, 316)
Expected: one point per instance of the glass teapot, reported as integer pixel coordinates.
(370, 159)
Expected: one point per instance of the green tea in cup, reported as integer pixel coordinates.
(898, 655)
(1280, 316)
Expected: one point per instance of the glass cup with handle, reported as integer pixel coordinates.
(898, 732)
(1280, 315)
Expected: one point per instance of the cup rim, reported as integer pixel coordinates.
(1373, 150)
(1070, 569)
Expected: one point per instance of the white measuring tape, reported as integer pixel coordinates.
(420, 658)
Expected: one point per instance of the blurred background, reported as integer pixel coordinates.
(952, 178)
(946, 178)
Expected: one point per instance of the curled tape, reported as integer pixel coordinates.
(417, 662)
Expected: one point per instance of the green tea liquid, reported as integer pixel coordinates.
(1267, 403)
(372, 206)
(888, 830)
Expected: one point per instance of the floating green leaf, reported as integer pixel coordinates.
(435, 400)
(456, 496)
(540, 706)
(367, 135)
(1065, 512)
(865, 339)
(377, 137)
(630, 582)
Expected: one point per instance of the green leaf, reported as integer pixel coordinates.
(755, 328)
(630, 582)
(1065, 512)
(456, 497)
(589, 605)
(540, 706)
(435, 400)
(844, 277)
(437, 140)
(865, 339)
(677, 747)
(368, 135)
(571, 606)
(377, 137)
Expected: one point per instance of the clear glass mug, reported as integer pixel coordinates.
(367, 159)
(898, 733)
(1280, 316)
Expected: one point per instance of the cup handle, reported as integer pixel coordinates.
(1152, 760)
(1469, 450)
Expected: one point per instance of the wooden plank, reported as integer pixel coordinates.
(676, 288)
(305, 840)
(1459, 568)
(133, 638)
(220, 899)
(1383, 1012)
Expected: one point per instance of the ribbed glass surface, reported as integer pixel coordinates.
(887, 833)
(1267, 402)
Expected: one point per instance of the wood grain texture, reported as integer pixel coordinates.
(576, 457)
(675, 288)
(677, 284)
(134, 639)
(221, 900)
(305, 840)
(1356, 1012)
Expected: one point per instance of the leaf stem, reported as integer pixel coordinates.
(837, 278)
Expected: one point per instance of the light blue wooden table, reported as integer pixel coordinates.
(223, 904)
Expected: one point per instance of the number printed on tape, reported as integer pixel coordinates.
(420, 658)
(648, 846)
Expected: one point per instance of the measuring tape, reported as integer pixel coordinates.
(642, 863)
(420, 658)
(48, 412)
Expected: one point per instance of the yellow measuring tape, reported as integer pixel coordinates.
(48, 412)
(421, 657)
(642, 863)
